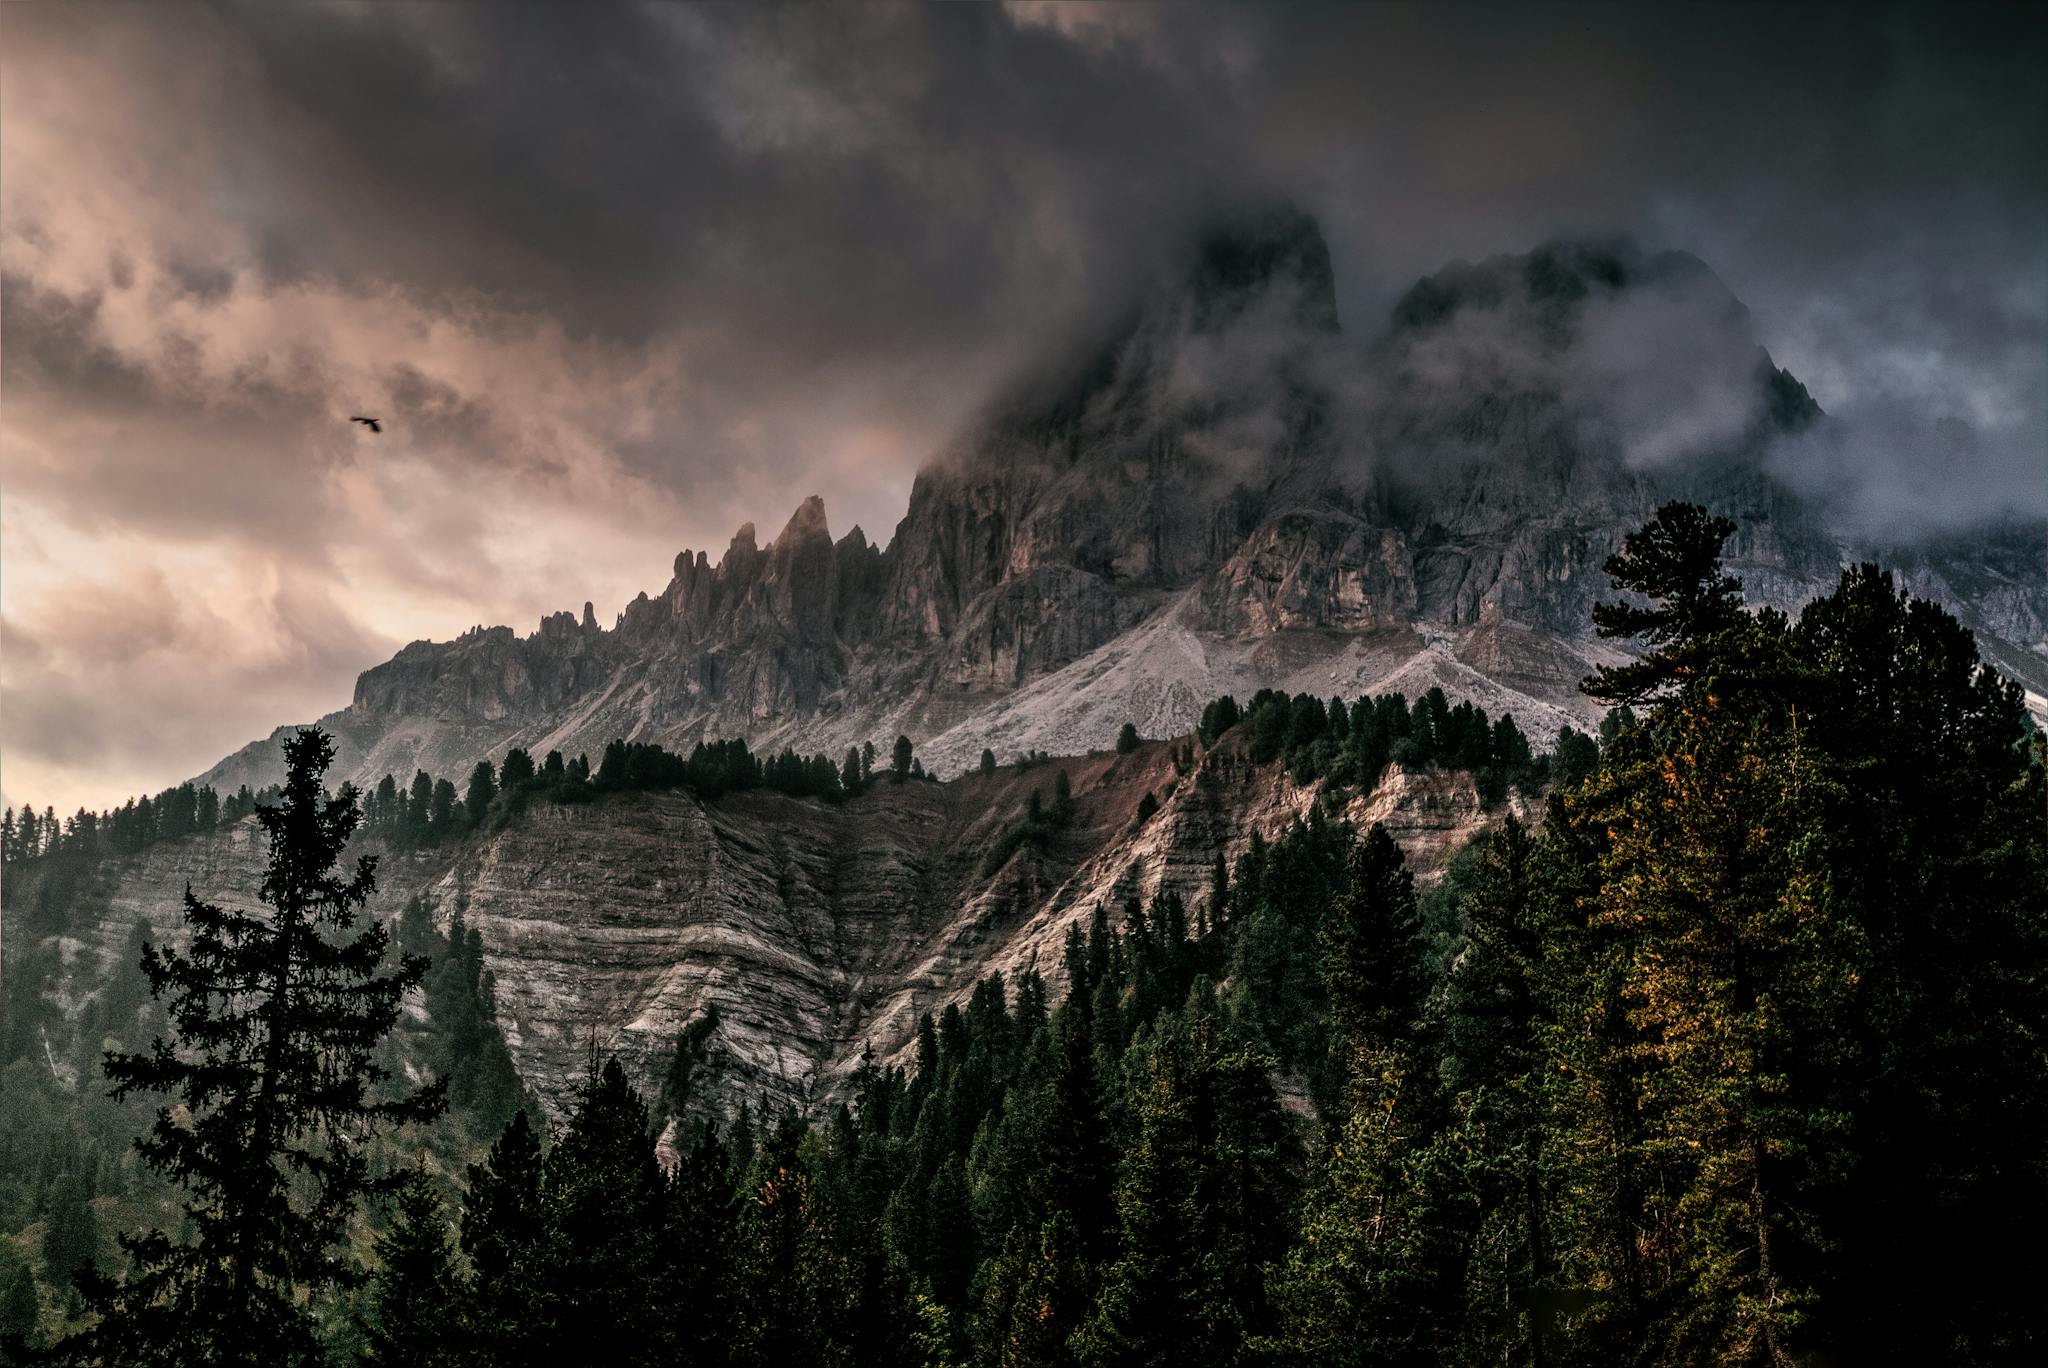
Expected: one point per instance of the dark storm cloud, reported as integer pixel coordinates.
(625, 275)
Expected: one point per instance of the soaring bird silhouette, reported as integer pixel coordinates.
(370, 423)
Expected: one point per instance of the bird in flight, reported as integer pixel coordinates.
(370, 423)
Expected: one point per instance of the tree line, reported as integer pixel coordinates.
(1352, 744)
(182, 810)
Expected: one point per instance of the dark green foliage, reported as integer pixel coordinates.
(482, 791)
(518, 770)
(1351, 744)
(1675, 561)
(1376, 1275)
(465, 1048)
(609, 1218)
(71, 1229)
(274, 1023)
(21, 1331)
(1373, 950)
(415, 1319)
(1127, 739)
(988, 761)
(1573, 757)
(511, 1303)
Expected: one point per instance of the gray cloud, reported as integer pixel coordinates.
(624, 276)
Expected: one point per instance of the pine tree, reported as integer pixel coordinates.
(1127, 739)
(1373, 949)
(608, 1210)
(1075, 1168)
(707, 1292)
(517, 772)
(1497, 1010)
(988, 761)
(1203, 1204)
(798, 1292)
(512, 1302)
(899, 762)
(419, 807)
(483, 787)
(71, 1229)
(1385, 1237)
(1155, 1298)
(275, 1020)
(442, 818)
(415, 1319)
(1676, 561)
(1036, 1297)
(1941, 857)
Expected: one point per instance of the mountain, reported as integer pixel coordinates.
(1223, 491)
(812, 930)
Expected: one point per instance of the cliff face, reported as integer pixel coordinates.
(814, 930)
(1222, 492)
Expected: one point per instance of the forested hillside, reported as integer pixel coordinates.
(1738, 1055)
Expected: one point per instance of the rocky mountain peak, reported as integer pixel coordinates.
(1218, 495)
(806, 524)
(1242, 257)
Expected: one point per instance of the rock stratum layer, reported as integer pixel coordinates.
(814, 930)
(1223, 493)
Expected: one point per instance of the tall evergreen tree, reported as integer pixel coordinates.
(506, 1237)
(1675, 561)
(416, 1307)
(272, 1063)
(609, 1211)
(1376, 1276)
(483, 787)
(419, 806)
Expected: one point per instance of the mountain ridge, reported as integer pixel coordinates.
(1220, 494)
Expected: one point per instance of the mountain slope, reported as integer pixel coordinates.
(813, 930)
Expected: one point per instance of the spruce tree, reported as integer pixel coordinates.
(415, 1319)
(419, 807)
(271, 1067)
(483, 787)
(512, 1302)
(609, 1213)
(1375, 1276)
(707, 1290)
(71, 1229)
(1075, 1168)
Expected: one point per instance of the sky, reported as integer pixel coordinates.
(620, 278)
